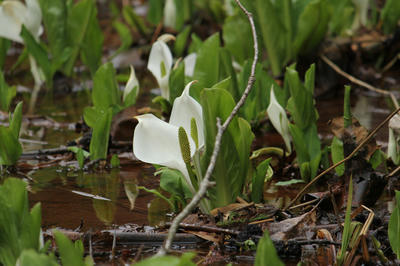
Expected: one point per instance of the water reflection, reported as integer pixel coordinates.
(99, 199)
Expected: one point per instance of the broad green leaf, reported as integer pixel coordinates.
(125, 36)
(54, 14)
(84, 34)
(134, 20)
(227, 71)
(92, 45)
(184, 260)
(207, 70)
(311, 26)
(174, 183)
(105, 89)
(337, 155)
(257, 184)
(31, 257)
(101, 134)
(390, 15)
(237, 35)
(275, 32)
(301, 102)
(266, 252)
(19, 227)
(4, 46)
(16, 120)
(7, 93)
(39, 53)
(181, 40)
(155, 13)
(10, 148)
(70, 254)
(233, 160)
(176, 82)
(394, 227)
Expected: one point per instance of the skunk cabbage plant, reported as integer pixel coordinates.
(159, 142)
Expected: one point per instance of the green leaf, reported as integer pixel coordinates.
(289, 182)
(176, 82)
(233, 160)
(125, 36)
(54, 14)
(16, 120)
(19, 227)
(337, 155)
(390, 16)
(312, 26)
(4, 46)
(181, 40)
(266, 252)
(184, 260)
(101, 134)
(134, 20)
(394, 227)
(155, 13)
(237, 35)
(105, 89)
(275, 24)
(31, 257)
(115, 161)
(206, 70)
(174, 183)
(84, 33)
(70, 254)
(92, 45)
(39, 53)
(257, 184)
(7, 93)
(10, 148)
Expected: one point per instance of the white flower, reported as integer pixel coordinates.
(393, 143)
(278, 118)
(132, 84)
(14, 14)
(157, 142)
(160, 63)
(170, 14)
(190, 62)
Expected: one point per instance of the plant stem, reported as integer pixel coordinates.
(206, 183)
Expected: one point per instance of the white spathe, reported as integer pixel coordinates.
(278, 118)
(394, 136)
(160, 63)
(14, 14)
(131, 84)
(157, 142)
(190, 62)
(170, 14)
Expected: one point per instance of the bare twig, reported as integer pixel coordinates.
(359, 82)
(205, 183)
(362, 143)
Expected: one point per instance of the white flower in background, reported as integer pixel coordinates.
(132, 84)
(278, 118)
(394, 137)
(160, 63)
(361, 15)
(157, 142)
(170, 14)
(190, 62)
(14, 14)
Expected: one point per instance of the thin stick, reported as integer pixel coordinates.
(205, 183)
(362, 143)
(359, 82)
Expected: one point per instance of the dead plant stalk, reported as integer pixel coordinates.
(206, 183)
